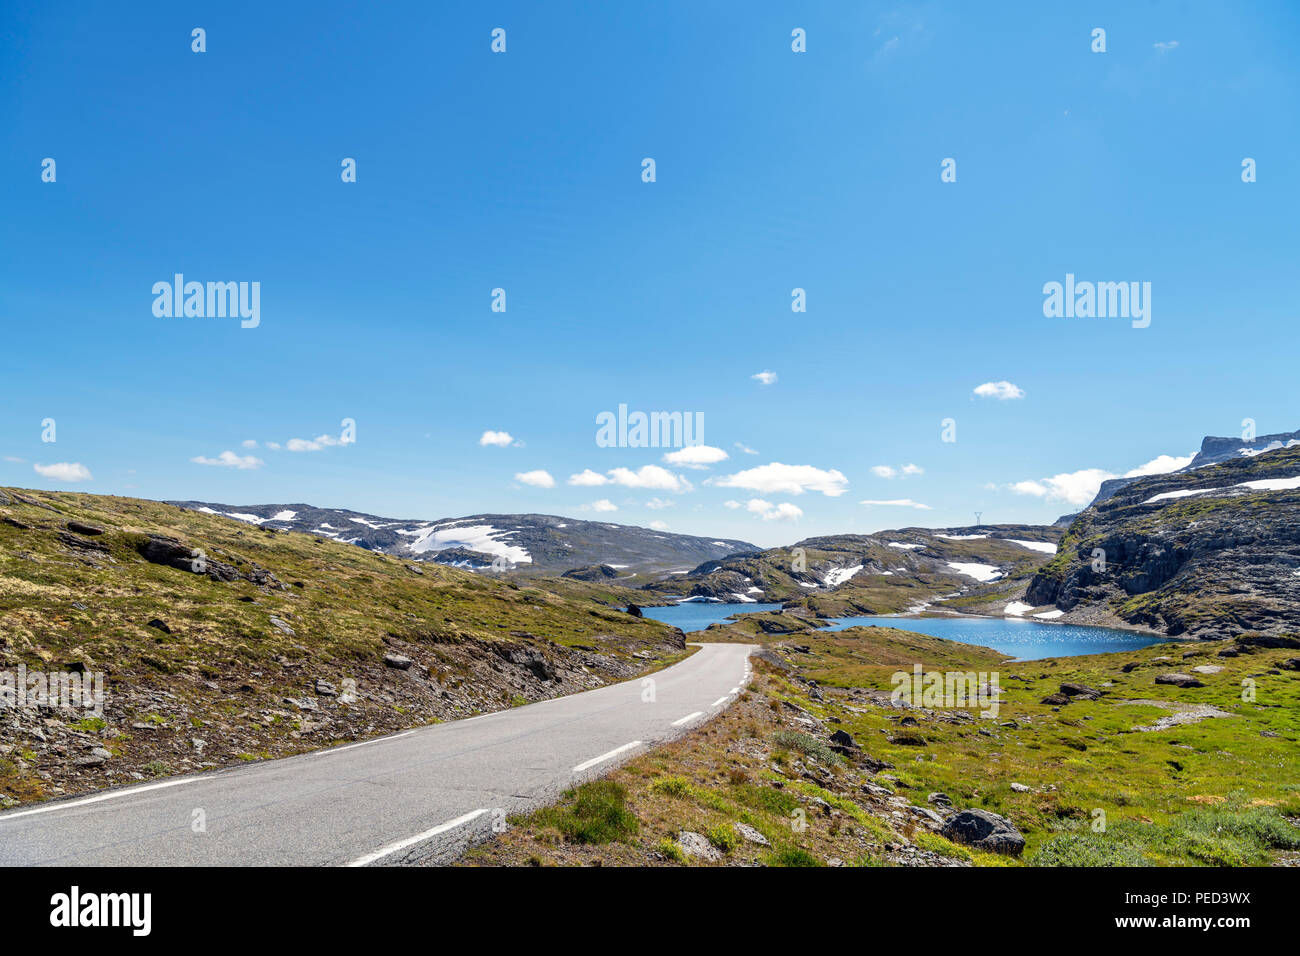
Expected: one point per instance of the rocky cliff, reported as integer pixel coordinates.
(1208, 552)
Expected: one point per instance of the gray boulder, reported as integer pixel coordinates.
(983, 830)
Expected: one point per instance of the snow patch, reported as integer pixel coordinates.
(980, 572)
(479, 537)
(1017, 609)
(1044, 546)
(961, 537)
(905, 547)
(837, 576)
(1049, 615)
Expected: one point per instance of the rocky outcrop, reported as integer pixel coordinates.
(1208, 553)
(592, 572)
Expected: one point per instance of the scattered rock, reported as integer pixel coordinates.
(985, 831)
(1178, 680)
(843, 739)
(399, 661)
(1021, 788)
(1081, 691)
(160, 625)
(750, 834)
(325, 688)
(696, 844)
(281, 626)
(1207, 669)
(634, 610)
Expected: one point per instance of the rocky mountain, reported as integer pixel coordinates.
(886, 572)
(1214, 450)
(544, 543)
(1210, 551)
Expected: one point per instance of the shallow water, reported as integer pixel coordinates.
(1023, 639)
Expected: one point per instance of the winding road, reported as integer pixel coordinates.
(420, 796)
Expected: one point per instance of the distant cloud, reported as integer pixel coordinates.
(658, 504)
(498, 439)
(887, 471)
(745, 448)
(770, 512)
(538, 478)
(999, 390)
(897, 503)
(1166, 45)
(1080, 487)
(764, 377)
(651, 477)
(64, 471)
(1074, 487)
(1160, 465)
(273, 445)
(16, 461)
(604, 504)
(778, 479)
(695, 456)
(228, 459)
(731, 504)
(313, 444)
(248, 443)
(659, 525)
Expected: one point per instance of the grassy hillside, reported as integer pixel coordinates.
(1145, 773)
(223, 642)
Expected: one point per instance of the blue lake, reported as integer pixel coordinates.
(1025, 640)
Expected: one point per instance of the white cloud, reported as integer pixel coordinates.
(588, 479)
(999, 390)
(764, 377)
(1166, 45)
(745, 448)
(1075, 487)
(770, 512)
(659, 525)
(695, 456)
(776, 478)
(498, 439)
(657, 504)
(538, 478)
(731, 504)
(910, 469)
(897, 503)
(16, 461)
(1161, 465)
(313, 444)
(64, 471)
(248, 443)
(273, 445)
(228, 459)
(647, 476)
(604, 504)
(883, 471)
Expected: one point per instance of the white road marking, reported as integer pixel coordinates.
(103, 796)
(339, 750)
(392, 848)
(718, 702)
(682, 720)
(603, 757)
(734, 690)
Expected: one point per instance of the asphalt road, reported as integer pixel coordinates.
(419, 796)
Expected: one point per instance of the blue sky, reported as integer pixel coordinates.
(775, 170)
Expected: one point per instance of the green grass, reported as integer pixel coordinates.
(593, 813)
